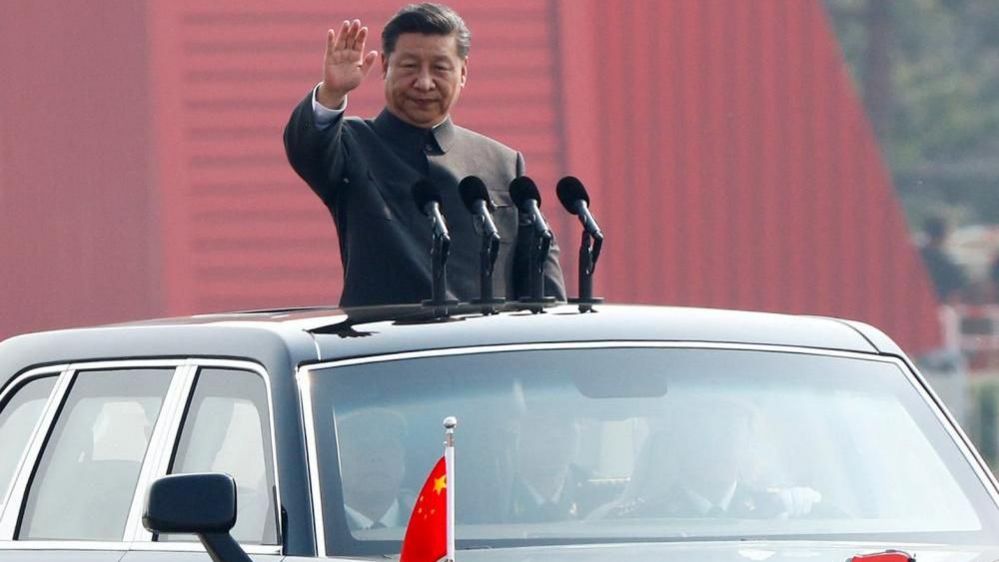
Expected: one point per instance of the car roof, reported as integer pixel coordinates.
(291, 337)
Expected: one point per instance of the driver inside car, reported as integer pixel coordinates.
(704, 464)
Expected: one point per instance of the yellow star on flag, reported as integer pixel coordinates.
(440, 484)
(426, 534)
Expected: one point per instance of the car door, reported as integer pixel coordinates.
(225, 426)
(72, 489)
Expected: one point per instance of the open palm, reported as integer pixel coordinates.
(346, 65)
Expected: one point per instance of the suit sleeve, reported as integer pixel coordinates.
(317, 155)
(554, 283)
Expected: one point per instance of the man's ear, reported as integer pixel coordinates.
(464, 71)
(385, 61)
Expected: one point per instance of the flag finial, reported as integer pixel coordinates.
(430, 533)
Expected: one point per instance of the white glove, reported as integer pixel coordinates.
(797, 500)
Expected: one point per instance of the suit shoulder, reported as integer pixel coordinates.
(358, 124)
(483, 142)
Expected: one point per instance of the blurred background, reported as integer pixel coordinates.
(832, 157)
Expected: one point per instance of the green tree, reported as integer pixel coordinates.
(928, 71)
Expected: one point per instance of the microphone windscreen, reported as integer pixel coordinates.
(522, 190)
(570, 190)
(424, 192)
(473, 189)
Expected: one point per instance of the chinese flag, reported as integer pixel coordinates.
(426, 534)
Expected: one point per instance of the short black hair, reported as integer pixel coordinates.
(429, 19)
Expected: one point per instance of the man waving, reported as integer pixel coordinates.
(363, 169)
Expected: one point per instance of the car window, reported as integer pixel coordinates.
(86, 478)
(643, 444)
(227, 429)
(19, 413)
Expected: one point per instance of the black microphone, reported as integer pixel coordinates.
(428, 201)
(475, 196)
(574, 198)
(526, 197)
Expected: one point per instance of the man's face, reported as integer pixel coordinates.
(423, 77)
(371, 465)
(547, 445)
(713, 455)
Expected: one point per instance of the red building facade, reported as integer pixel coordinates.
(727, 155)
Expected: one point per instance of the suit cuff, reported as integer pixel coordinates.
(324, 116)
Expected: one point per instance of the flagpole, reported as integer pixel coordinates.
(450, 423)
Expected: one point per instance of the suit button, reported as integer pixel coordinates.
(429, 148)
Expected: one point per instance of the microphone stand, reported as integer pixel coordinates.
(589, 253)
(487, 261)
(439, 252)
(540, 246)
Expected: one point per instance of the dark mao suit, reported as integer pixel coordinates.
(364, 170)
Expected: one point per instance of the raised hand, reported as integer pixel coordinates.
(345, 65)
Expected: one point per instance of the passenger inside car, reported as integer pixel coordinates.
(548, 484)
(372, 465)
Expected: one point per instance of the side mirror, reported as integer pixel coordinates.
(203, 504)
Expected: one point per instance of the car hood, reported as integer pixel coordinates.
(728, 551)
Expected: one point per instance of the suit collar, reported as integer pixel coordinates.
(704, 504)
(406, 135)
(360, 521)
(444, 135)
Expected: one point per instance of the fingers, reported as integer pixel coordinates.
(330, 41)
(355, 27)
(351, 36)
(362, 36)
(341, 38)
(347, 45)
(369, 61)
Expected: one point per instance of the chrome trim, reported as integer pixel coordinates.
(17, 383)
(309, 423)
(978, 464)
(197, 547)
(908, 371)
(119, 364)
(32, 373)
(319, 349)
(63, 545)
(29, 459)
(126, 546)
(592, 345)
(163, 434)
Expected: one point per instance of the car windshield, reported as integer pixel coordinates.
(618, 444)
